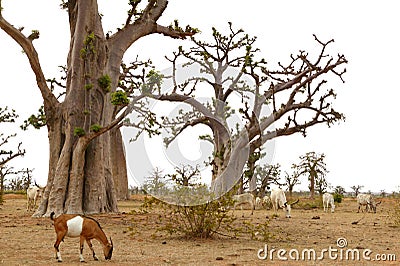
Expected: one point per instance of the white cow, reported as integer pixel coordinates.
(327, 199)
(367, 200)
(278, 200)
(245, 198)
(33, 193)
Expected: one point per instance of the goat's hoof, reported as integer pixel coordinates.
(95, 258)
(59, 260)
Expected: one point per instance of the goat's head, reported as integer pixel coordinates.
(108, 249)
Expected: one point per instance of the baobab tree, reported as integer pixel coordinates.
(356, 189)
(292, 179)
(273, 101)
(312, 164)
(82, 126)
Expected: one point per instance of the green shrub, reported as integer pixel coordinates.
(338, 197)
(308, 204)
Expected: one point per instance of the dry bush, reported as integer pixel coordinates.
(203, 220)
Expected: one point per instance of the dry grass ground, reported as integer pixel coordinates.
(26, 240)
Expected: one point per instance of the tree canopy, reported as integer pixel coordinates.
(267, 102)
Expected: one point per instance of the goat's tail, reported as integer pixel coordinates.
(52, 215)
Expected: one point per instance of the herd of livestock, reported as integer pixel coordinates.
(87, 228)
(277, 200)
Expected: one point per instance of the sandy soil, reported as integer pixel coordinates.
(26, 240)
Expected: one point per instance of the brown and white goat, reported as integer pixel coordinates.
(73, 225)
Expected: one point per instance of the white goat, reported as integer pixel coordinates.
(367, 200)
(327, 199)
(243, 199)
(86, 228)
(278, 200)
(33, 193)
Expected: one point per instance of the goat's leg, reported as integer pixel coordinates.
(92, 249)
(60, 237)
(81, 242)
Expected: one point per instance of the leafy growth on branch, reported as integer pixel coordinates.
(37, 121)
(105, 83)
(119, 98)
(89, 86)
(95, 128)
(34, 35)
(79, 132)
(188, 29)
(153, 82)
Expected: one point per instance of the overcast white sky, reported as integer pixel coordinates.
(361, 151)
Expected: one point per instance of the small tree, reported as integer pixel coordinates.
(6, 155)
(313, 165)
(338, 194)
(292, 179)
(321, 184)
(186, 175)
(339, 190)
(4, 171)
(356, 189)
(266, 175)
(21, 181)
(155, 184)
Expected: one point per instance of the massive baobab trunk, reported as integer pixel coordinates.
(81, 176)
(87, 171)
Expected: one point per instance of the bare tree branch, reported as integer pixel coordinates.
(27, 45)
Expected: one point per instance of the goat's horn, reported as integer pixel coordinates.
(294, 202)
(111, 241)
